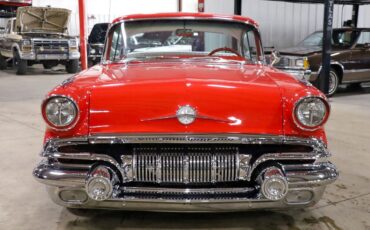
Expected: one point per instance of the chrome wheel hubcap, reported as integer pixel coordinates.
(333, 83)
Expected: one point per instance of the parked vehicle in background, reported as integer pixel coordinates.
(96, 43)
(350, 56)
(164, 128)
(39, 35)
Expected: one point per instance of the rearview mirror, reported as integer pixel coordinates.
(184, 32)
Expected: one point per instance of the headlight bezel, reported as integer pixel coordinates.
(67, 126)
(304, 127)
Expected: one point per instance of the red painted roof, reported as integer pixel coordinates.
(185, 15)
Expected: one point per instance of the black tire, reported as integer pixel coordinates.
(19, 64)
(72, 66)
(3, 62)
(334, 82)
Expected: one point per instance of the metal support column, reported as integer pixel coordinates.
(355, 11)
(83, 48)
(238, 7)
(326, 54)
(179, 5)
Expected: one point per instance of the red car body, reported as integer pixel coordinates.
(139, 98)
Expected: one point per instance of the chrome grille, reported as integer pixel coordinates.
(47, 46)
(185, 164)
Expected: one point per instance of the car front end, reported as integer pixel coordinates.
(298, 66)
(53, 48)
(186, 132)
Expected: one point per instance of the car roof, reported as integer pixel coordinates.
(183, 15)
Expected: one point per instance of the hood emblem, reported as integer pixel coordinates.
(186, 114)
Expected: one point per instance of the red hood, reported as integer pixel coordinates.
(132, 98)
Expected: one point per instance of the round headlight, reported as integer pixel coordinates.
(92, 51)
(311, 112)
(60, 111)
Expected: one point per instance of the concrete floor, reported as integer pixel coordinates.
(24, 203)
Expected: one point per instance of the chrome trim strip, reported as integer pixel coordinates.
(181, 191)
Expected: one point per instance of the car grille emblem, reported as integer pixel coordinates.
(186, 114)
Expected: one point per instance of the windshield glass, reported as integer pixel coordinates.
(164, 38)
(340, 38)
(98, 33)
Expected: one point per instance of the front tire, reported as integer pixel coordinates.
(19, 64)
(333, 82)
(3, 62)
(72, 66)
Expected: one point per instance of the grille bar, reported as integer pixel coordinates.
(186, 164)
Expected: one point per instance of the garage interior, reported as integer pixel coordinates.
(345, 204)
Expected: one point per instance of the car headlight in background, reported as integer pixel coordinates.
(60, 111)
(73, 43)
(303, 63)
(93, 51)
(26, 46)
(311, 112)
(26, 42)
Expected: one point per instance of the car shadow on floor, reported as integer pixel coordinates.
(100, 219)
(353, 90)
(38, 70)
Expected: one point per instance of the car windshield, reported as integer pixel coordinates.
(184, 38)
(340, 38)
(98, 33)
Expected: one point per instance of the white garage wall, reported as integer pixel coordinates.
(105, 11)
(285, 24)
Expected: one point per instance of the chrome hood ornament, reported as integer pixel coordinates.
(186, 114)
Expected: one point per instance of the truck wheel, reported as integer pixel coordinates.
(72, 66)
(3, 63)
(19, 64)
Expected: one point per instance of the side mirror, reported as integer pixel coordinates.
(275, 57)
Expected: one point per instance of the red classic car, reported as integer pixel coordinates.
(183, 114)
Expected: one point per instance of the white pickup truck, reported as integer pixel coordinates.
(39, 35)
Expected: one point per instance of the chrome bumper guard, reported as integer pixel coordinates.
(66, 183)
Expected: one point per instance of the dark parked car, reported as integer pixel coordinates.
(96, 42)
(350, 62)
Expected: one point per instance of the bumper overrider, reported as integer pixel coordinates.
(195, 173)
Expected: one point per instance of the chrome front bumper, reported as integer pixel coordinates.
(66, 182)
(41, 57)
